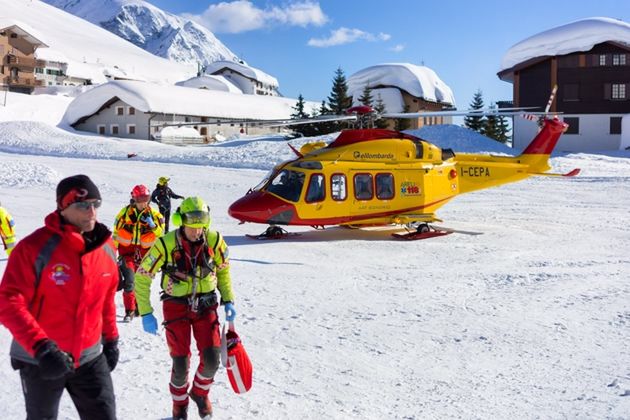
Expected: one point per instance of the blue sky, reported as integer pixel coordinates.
(302, 43)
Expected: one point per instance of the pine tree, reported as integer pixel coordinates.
(503, 130)
(490, 127)
(307, 130)
(366, 96)
(475, 122)
(339, 101)
(379, 107)
(299, 109)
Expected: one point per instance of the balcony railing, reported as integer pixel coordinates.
(21, 82)
(24, 61)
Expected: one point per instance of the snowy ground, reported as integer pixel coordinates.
(530, 319)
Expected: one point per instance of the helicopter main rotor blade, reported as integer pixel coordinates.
(469, 112)
(316, 120)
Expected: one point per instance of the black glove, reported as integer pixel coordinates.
(53, 363)
(111, 352)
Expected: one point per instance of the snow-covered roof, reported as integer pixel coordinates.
(210, 82)
(581, 35)
(22, 29)
(418, 81)
(391, 97)
(245, 70)
(90, 49)
(150, 97)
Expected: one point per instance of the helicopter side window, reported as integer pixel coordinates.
(384, 186)
(363, 187)
(316, 189)
(419, 149)
(287, 184)
(338, 188)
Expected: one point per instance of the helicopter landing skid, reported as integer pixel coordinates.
(273, 232)
(423, 231)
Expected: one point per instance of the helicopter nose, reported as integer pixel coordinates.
(262, 207)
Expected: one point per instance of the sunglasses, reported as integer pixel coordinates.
(85, 205)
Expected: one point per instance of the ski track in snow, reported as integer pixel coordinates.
(530, 319)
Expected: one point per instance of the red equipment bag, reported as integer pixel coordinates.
(236, 361)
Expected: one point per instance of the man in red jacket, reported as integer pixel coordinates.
(57, 299)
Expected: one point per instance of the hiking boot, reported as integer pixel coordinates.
(180, 412)
(203, 404)
(129, 315)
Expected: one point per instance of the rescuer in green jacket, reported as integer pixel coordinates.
(194, 262)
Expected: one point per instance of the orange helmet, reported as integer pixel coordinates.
(141, 193)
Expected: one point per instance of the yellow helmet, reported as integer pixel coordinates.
(163, 180)
(193, 212)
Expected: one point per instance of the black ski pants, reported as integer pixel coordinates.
(166, 212)
(90, 388)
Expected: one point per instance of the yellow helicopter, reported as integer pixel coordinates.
(368, 177)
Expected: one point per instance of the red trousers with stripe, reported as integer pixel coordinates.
(181, 324)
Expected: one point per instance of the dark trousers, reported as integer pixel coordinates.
(90, 388)
(166, 212)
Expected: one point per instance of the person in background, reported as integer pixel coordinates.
(194, 261)
(162, 197)
(7, 230)
(136, 227)
(57, 299)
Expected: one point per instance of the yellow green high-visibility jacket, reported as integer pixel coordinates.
(211, 272)
(7, 233)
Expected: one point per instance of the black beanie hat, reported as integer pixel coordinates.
(75, 188)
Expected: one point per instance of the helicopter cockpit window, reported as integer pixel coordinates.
(363, 187)
(316, 189)
(384, 186)
(419, 149)
(338, 188)
(287, 184)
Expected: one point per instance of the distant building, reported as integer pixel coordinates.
(404, 87)
(250, 80)
(589, 61)
(55, 73)
(141, 110)
(17, 51)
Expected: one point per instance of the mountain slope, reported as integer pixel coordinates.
(152, 29)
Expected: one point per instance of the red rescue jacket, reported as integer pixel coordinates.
(73, 304)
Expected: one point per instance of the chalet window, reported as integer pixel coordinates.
(384, 186)
(316, 189)
(120, 110)
(113, 129)
(571, 92)
(619, 60)
(131, 129)
(363, 189)
(131, 111)
(602, 59)
(615, 125)
(100, 129)
(338, 189)
(203, 131)
(618, 91)
(574, 125)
